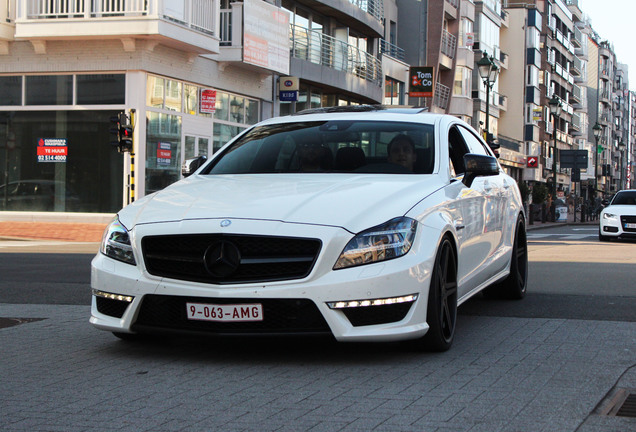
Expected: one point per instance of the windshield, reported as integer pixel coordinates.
(625, 198)
(335, 146)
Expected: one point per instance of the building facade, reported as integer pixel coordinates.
(188, 76)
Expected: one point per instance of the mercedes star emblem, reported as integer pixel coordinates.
(222, 258)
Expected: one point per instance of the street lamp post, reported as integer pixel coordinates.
(621, 149)
(488, 72)
(598, 131)
(555, 109)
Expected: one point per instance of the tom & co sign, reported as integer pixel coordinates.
(421, 81)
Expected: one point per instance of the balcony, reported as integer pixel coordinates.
(442, 96)
(321, 49)
(449, 44)
(188, 25)
(7, 25)
(391, 50)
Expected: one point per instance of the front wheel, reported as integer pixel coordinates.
(602, 237)
(441, 314)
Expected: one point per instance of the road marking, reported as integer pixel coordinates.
(568, 236)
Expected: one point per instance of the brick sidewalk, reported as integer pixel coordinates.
(77, 232)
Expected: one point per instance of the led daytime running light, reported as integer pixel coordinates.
(111, 296)
(372, 302)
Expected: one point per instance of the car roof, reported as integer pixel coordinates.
(362, 112)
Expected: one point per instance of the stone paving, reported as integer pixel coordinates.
(502, 374)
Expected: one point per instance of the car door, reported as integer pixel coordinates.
(467, 207)
(497, 190)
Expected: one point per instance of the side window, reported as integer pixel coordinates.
(456, 150)
(474, 144)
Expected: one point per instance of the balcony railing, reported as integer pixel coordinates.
(196, 14)
(449, 44)
(391, 50)
(328, 51)
(375, 8)
(442, 96)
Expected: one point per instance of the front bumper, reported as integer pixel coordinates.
(306, 306)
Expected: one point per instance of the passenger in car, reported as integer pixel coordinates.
(401, 151)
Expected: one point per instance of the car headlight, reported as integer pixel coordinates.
(609, 216)
(390, 240)
(116, 243)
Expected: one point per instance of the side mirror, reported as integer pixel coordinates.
(605, 202)
(191, 165)
(479, 166)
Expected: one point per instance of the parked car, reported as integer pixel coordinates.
(618, 218)
(366, 223)
(36, 195)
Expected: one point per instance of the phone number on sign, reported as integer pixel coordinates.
(48, 158)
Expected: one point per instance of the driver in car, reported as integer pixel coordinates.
(401, 151)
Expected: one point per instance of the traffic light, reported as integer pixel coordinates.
(125, 138)
(123, 131)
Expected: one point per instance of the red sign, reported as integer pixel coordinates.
(53, 151)
(208, 101)
(533, 162)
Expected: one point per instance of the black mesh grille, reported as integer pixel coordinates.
(279, 316)
(110, 307)
(262, 258)
(628, 219)
(370, 315)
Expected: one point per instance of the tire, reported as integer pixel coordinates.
(441, 314)
(514, 286)
(602, 237)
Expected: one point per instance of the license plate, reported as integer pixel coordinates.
(225, 312)
(630, 225)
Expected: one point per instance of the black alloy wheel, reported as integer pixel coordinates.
(441, 313)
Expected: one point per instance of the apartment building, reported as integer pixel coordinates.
(188, 74)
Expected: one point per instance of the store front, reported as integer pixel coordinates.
(59, 161)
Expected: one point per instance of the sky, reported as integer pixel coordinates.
(614, 21)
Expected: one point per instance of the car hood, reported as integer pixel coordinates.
(622, 209)
(352, 201)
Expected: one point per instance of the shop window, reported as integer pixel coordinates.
(154, 92)
(172, 99)
(252, 112)
(222, 106)
(11, 90)
(49, 90)
(163, 150)
(103, 89)
(87, 178)
(237, 109)
(191, 99)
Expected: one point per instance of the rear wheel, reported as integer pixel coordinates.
(515, 284)
(441, 313)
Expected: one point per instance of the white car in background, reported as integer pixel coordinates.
(618, 219)
(367, 223)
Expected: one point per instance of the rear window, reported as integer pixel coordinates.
(331, 147)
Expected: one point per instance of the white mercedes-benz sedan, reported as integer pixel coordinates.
(618, 219)
(367, 223)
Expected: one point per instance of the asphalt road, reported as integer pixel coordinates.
(572, 276)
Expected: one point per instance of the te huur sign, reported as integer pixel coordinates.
(421, 82)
